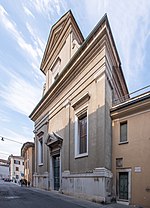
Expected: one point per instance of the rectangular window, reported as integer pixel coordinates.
(40, 152)
(17, 162)
(17, 168)
(123, 131)
(82, 124)
(81, 133)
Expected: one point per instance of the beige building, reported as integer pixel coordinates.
(73, 140)
(131, 150)
(28, 153)
(16, 168)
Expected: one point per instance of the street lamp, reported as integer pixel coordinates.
(4, 138)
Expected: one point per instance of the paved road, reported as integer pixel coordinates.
(14, 196)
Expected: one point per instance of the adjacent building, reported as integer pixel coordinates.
(73, 139)
(16, 168)
(28, 153)
(4, 169)
(131, 150)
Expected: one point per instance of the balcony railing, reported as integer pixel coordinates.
(140, 92)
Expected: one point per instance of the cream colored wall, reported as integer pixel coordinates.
(65, 54)
(74, 43)
(135, 153)
(57, 122)
(86, 76)
(30, 167)
(41, 168)
(90, 75)
(13, 166)
(91, 80)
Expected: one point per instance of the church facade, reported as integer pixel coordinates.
(73, 124)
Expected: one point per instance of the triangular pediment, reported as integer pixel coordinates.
(56, 34)
(53, 139)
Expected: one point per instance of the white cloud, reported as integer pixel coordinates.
(28, 12)
(130, 23)
(19, 95)
(48, 7)
(37, 74)
(3, 117)
(34, 52)
(15, 136)
(37, 41)
(5, 21)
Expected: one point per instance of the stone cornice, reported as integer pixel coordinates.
(78, 62)
(68, 22)
(117, 66)
(57, 48)
(88, 50)
(81, 100)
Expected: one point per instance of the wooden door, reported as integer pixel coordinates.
(123, 185)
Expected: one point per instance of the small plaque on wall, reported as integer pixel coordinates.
(137, 169)
(119, 162)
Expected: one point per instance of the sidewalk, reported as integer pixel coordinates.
(77, 201)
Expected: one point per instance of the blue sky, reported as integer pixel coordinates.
(24, 30)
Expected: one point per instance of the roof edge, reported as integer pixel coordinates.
(69, 12)
(101, 22)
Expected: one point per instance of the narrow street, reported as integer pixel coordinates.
(14, 196)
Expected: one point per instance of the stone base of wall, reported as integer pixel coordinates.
(95, 186)
(40, 181)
